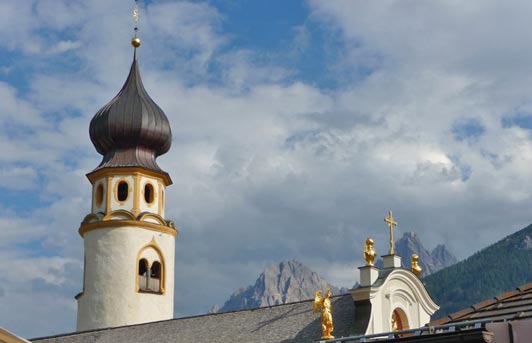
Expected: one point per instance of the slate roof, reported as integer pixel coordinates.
(506, 317)
(289, 323)
(513, 305)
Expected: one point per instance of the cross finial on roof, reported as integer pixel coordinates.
(391, 224)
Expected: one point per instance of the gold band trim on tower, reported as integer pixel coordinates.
(124, 224)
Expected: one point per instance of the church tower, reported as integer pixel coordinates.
(129, 245)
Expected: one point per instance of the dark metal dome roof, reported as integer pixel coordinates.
(131, 130)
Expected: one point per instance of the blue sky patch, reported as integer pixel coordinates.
(22, 201)
(283, 34)
(468, 129)
(522, 120)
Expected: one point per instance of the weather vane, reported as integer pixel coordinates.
(136, 40)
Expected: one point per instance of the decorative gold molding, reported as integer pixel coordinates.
(92, 198)
(148, 215)
(161, 198)
(153, 244)
(136, 194)
(123, 224)
(108, 189)
(163, 202)
(95, 217)
(125, 213)
(116, 171)
(99, 217)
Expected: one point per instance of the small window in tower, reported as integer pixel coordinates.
(122, 191)
(149, 279)
(148, 193)
(155, 277)
(98, 195)
(143, 275)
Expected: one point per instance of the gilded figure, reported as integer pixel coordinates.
(324, 304)
(369, 252)
(395, 322)
(415, 267)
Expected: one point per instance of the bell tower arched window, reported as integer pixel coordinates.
(149, 278)
(150, 270)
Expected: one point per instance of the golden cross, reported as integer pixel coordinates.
(391, 224)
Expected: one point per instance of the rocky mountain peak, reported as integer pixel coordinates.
(291, 281)
(431, 262)
(286, 282)
(409, 244)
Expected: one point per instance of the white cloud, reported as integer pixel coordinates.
(16, 111)
(241, 72)
(64, 45)
(18, 178)
(16, 22)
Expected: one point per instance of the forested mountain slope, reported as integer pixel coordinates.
(498, 268)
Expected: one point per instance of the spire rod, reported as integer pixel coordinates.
(136, 40)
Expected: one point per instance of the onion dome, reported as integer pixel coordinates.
(131, 130)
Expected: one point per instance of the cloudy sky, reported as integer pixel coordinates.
(296, 126)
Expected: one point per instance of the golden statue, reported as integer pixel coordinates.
(415, 267)
(395, 322)
(391, 223)
(369, 252)
(324, 304)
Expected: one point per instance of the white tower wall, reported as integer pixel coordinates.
(117, 235)
(111, 296)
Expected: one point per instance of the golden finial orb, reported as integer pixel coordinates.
(135, 42)
(415, 267)
(369, 252)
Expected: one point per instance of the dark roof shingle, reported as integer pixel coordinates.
(506, 306)
(289, 323)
